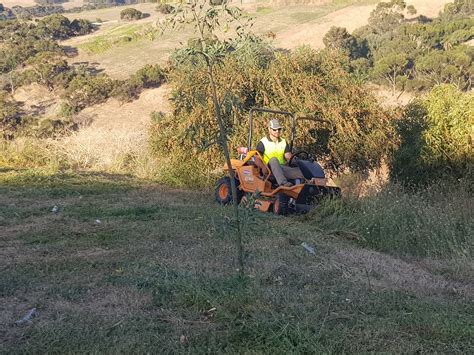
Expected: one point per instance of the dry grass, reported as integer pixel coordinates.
(102, 149)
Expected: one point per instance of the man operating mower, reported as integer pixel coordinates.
(276, 154)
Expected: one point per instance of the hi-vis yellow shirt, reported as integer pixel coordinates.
(274, 150)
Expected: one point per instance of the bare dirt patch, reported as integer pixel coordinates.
(114, 133)
(23, 3)
(37, 99)
(350, 17)
(130, 116)
(392, 99)
(312, 34)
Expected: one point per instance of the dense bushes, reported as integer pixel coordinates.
(22, 41)
(146, 77)
(26, 13)
(88, 90)
(80, 89)
(305, 82)
(6, 13)
(412, 54)
(436, 137)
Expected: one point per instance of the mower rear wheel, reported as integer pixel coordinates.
(280, 206)
(223, 193)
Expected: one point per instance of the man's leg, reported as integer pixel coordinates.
(277, 171)
(292, 173)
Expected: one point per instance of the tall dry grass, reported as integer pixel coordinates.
(115, 150)
(434, 222)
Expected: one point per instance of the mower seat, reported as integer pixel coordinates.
(311, 169)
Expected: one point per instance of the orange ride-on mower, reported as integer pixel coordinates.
(250, 179)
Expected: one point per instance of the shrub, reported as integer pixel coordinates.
(81, 27)
(146, 77)
(436, 137)
(87, 90)
(130, 14)
(10, 116)
(149, 76)
(126, 90)
(27, 152)
(165, 8)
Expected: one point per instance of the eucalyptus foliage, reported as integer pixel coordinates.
(436, 137)
(305, 82)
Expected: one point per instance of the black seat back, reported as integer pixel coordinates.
(311, 170)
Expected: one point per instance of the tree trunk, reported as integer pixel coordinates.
(225, 148)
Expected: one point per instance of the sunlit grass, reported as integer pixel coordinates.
(115, 37)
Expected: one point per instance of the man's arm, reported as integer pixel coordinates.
(288, 153)
(259, 162)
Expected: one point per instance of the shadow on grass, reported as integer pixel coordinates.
(57, 184)
(5, 169)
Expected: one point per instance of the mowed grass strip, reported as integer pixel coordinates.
(158, 274)
(117, 36)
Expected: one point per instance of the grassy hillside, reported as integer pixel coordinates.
(157, 274)
(112, 263)
(122, 48)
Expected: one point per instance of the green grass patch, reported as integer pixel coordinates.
(302, 17)
(159, 275)
(119, 36)
(264, 10)
(59, 184)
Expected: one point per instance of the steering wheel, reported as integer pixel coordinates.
(300, 154)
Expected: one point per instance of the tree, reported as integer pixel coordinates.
(46, 67)
(210, 22)
(387, 16)
(391, 68)
(458, 9)
(54, 27)
(453, 66)
(339, 38)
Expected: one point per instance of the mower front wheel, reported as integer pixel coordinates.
(223, 193)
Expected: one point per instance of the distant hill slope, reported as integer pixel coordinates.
(294, 25)
(350, 17)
